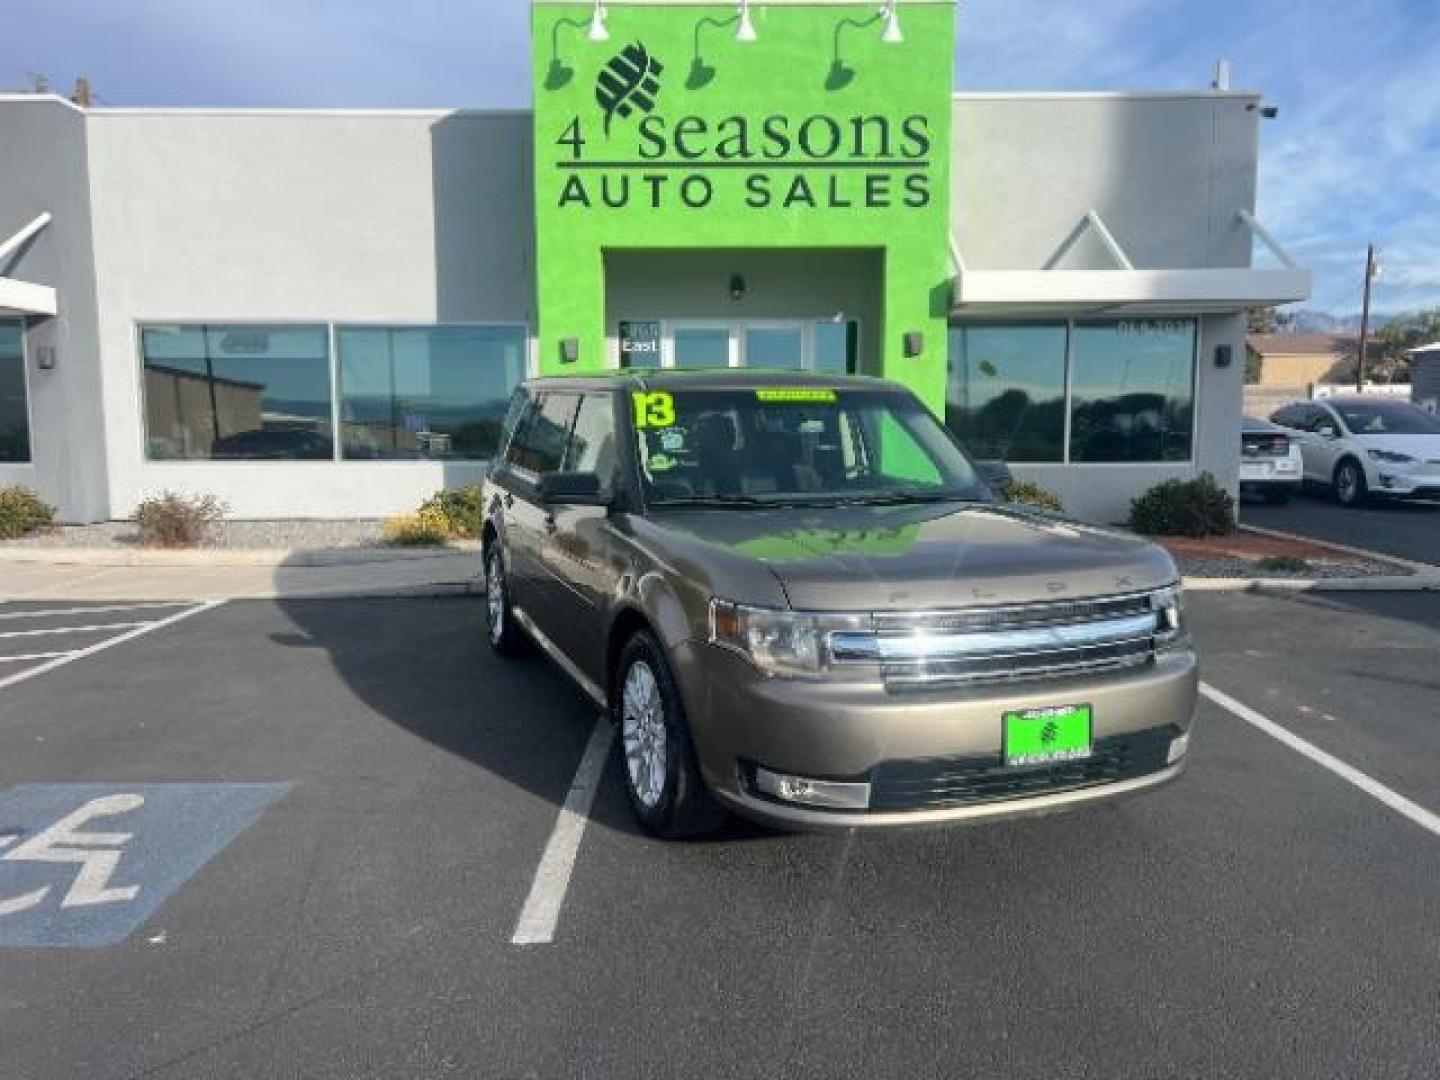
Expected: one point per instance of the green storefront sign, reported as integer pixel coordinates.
(673, 134)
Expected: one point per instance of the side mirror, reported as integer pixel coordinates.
(571, 489)
(1327, 431)
(995, 473)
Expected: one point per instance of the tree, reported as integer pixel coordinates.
(1405, 332)
(1268, 320)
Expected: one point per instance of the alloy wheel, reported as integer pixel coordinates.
(642, 731)
(495, 596)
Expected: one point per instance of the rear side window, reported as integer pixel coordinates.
(519, 401)
(593, 446)
(543, 432)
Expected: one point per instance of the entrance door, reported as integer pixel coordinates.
(828, 346)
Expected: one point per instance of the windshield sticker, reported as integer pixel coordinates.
(656, 409)
(808, 397)
(672, 440)
(660, 463)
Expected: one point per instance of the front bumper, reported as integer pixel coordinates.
(741, 719)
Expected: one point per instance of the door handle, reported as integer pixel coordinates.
(550, 525)
(508, 500)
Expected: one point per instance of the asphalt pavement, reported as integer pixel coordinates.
(1408, 529)
(342, 805)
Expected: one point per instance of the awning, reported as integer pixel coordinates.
(1127, 290)
(22, 297)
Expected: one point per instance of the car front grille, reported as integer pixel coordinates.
(939, 783)
(926, 650)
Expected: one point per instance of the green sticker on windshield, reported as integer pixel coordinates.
(655, 409)
(802, 396)
(660, 463)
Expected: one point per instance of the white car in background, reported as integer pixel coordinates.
(1363, 446)
(1270, 462)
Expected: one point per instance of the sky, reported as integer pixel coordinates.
(1353, 157)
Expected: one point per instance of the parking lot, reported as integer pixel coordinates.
(1406, 529)
(343, 805)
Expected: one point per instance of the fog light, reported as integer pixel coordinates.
(1178, 748)
(804, 790)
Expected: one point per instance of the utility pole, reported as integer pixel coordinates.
(1364, 320)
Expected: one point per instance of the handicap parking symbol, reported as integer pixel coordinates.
(87, 864)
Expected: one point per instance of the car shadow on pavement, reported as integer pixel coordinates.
(423, 665)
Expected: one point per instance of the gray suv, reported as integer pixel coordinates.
(798, 600)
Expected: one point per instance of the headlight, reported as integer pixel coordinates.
(1390, 456)
(1169, 605)
(781, 642)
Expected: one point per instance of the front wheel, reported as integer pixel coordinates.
(501, 629)
(1350, 487)
(662, 776)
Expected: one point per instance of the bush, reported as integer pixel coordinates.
(426, 527)
(1284, 564)
(1023, 491)
(22, 512)
(171, 520)
(459, 509)
(1184, 508)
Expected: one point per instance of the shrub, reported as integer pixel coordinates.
(425, 527)
(1184, 508)
(1023, 491)
(1284, 564)
(22, 512)
(171, 520)
(458, 508)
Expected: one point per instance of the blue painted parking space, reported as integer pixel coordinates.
(85, 865)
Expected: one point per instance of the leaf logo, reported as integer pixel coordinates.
(628, 82)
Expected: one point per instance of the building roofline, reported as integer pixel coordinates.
(51, 99)
(372, 113)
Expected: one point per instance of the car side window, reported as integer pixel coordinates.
(541, 437)
(594, 446)
(519, 403)
(1290, 416)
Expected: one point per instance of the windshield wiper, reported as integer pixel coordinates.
(895, 498)
(711, 501)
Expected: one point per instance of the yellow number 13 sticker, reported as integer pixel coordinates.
(654, 410)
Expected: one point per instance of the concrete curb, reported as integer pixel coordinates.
(287, 557)
(1424, 569)
(429, 590)
(1418, 583)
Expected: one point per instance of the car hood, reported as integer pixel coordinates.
(1424, 447)
(871, 558)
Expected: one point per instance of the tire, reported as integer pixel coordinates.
(657, 755)
(1275, 496)
(501, 629)
(1349, 484)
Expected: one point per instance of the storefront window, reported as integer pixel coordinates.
(426, 391)
(1132, 394)
(14, 417)
(237, 392)
(837, 347)
(1005, 397)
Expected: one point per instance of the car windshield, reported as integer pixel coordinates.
(1388, 418)
(792, 445)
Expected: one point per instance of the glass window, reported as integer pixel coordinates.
(1005, 397)
(14, 419)
(592, 444)
(1387, 418)
(1132, 392)
(701, 347)
(837, 347)
(426, 391)
(540, 441)
(237, 392)
(775, 347)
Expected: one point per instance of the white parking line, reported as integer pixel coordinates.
(1372, 787)
(71, 629)
(32, 656)
(92, 610)
(108, 643)
(541, 913)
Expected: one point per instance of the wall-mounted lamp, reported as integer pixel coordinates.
(45, 357)
(892, 34)
(597, 31)
(737, 287)
(746, 30)
(1224, 356)
(914, 344)
(569, 350)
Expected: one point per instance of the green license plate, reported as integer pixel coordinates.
(1046, 736)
